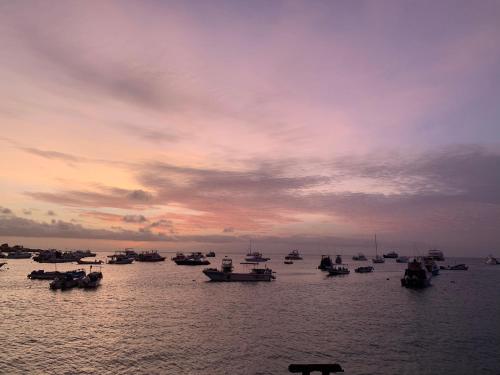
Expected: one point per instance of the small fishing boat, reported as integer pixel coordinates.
(491, 260)
(52, 275)
(150, 256)
(91, 281)
(293, 255)
(366, 269)
(119, 258)
(210, 254)
(325, 263)
(287, 261)
(359, 257)
(391, 255)
(65, 281)
(456, 267)
(95, 261)
(193, 259)
(436, 255)
(416, 275)
(402, 259)
(338, 259)
(226, 273)
(338, 270)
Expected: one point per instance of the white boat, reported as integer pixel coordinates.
(226, 274)
(436, 254)
(378, 258)
(119, 258)
(255, 256)
(492, 260)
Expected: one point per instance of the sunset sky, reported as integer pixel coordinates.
(201, 124)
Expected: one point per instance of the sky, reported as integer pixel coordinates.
(193, 124)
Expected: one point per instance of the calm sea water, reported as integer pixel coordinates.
(159, 318)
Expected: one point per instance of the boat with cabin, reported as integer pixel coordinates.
(293, 255)
(416, 275)
(119, 258)
(150, 256)
(431, 266)
(365, 269)
(210, 254)
(325, 263)
(227, 274)
(56, 256)
(359, 257)
(255, 256)
(288, 261)
(436, 255)
(91, 280)
(65, 281)
(338, 270)
(491, 260)
(391, 255)
(193, 259)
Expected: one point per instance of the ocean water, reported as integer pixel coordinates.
(160, 318)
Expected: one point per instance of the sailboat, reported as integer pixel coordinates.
(378, 258)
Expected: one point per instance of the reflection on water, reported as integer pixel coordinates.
(161, 318)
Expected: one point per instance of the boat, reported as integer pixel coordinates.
(359, 256)
(150, 256)
(391, 255)
(338, 270)
(256, 256)
(19, 255)
(325, 263)
(51, 275)
(436, 255)
(365, 269)
(338, 259)
(56, 256)
(210, 254)
(431, 266)
(65, 281)
(131, 253)
(2, 264)
(91, 281)
(402, 259)
(193, 259)
(491, 260)
(84, 253)
(226, 273)
(178, 256)
(456, 267)
(378, 258)
(82, 261)
(119, 258)
(293, 255)
(416, 275)
(287, 261)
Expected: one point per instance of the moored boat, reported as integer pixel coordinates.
(378, 258)
(456, 267)
(365, 269)
(119, 258)
(226, 274)
(359, 256)
(325, 263)
(431, 266)
(416, 275)
(391, 255)
(287, 261)
(193, 259)
(255, 256)
(91, 280)
(56, 256)
(51, 275)
(293, 255)
(210, 254)
(150, 256)
(338, 270)
(338, 259)
(65, 281)
(95, 261)
(491, 260)
(436, 255)
(19, 255)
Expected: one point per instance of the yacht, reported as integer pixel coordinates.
(338, 270)
(226, 273)
(338, 259)
(326, 263)
(391, 255)
(119, 258)
(255, 256)
(366, 269)
(293, 255)
(193, 259)
(378, 258)
(416, 275)
(150, 256)
(492, 260)
(402, 259)
(359, 256)
(436, 254)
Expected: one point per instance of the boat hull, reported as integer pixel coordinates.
(237, 277)
(190, 262)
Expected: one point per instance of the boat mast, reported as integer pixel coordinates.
(376, 247)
